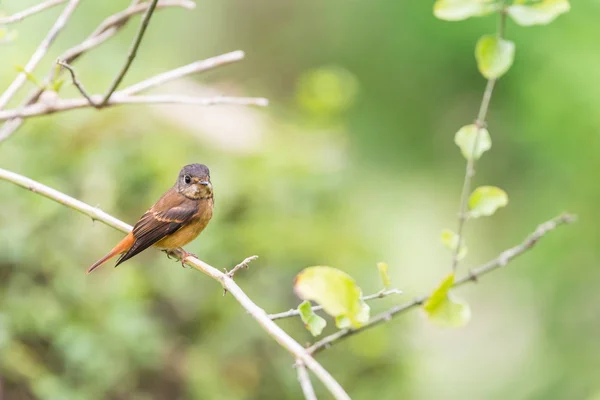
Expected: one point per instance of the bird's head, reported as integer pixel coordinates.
(194, 182)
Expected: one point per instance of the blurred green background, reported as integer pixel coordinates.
(352, 163)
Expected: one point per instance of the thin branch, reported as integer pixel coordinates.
(39, 53)
(305, 383)
(131, 54)
(76, 82)
(108, 28)
(21, 15)
(470, 169)
(243, 264)
(294, 312)
(278, 334)
(500, 261)
(73, 104)
(193, 68)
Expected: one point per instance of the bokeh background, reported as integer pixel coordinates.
(352, 163)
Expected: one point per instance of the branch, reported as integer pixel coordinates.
(108, 28)
(503, 258)
(73, 104)
(470, 169)
(39, 53)
(131, 54)
(193, 68)
(255, 311)
(294, 311)
(305, 384)
(243, 264)
(29, 12)
(76, 82)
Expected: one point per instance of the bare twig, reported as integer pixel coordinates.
(39, 53)
(470, 169)
(76, 82)
(193, 68)
(294, 312)
(108, 28)
(500, 261)
(278, 334)
(73, 104)
(305, 383)
(21, 15)
(243, 264)
(131, 54)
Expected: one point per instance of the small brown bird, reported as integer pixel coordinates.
(174, 221)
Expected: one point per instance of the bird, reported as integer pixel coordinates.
(173, 221)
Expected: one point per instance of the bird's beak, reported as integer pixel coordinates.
(205, 183)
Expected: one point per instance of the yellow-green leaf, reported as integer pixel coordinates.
(362, 317)
(494, 56)
(450, 240)
(383, 273)
(456, 10)
(57, 84)
(335, 290)
(30, 77)
(444, 309)
(314, 323)
(485, 200)
(540, 13)
(465, 140)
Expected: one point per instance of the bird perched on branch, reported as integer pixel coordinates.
(176, 219)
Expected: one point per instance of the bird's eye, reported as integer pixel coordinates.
(187, 179)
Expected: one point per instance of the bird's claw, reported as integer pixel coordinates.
(184, 255)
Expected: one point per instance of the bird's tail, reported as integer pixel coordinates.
(121, 247)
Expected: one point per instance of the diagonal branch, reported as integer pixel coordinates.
(278, 334)
(131, 54)
(193, 68)
(472, 276)
(21, 15)
(39, 53)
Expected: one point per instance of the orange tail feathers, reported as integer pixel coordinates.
(121, 247)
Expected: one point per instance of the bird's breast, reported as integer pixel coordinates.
(191, 230)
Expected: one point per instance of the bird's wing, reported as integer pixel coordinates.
(157, 224)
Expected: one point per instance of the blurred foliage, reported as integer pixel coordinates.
(352, 163)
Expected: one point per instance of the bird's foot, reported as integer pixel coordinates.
(182, 255)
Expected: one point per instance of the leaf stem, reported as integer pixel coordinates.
(480, 123)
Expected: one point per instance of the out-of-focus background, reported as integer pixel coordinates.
(352, 163)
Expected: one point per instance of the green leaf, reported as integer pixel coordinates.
(465, 140)
(540, 13)
(57, 84)
(314, 323)
(450, 240)
(362, 317)
(29, 76)
(335, 290)
(444, 309)
(456, 10)
(383, 273)
(494, 56)
(485, 200)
